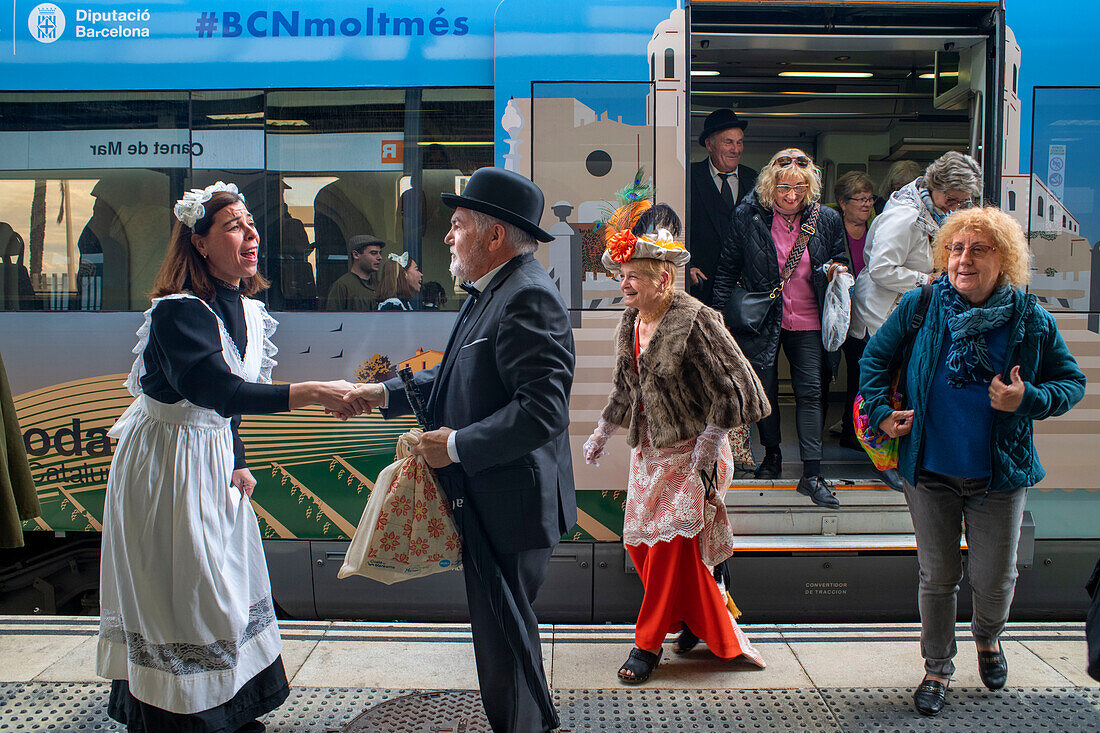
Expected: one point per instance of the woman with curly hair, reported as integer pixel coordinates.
(986, 363)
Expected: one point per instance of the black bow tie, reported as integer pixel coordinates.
(470, 289)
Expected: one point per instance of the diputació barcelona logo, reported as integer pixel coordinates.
(46, 22)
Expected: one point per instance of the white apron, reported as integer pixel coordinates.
(185, 602)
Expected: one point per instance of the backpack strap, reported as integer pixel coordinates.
(905, 348)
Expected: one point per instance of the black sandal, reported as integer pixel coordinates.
(639, 665)
(686, 641)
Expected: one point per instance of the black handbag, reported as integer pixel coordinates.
(746, 310)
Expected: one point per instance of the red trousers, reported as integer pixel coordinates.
(679, 588)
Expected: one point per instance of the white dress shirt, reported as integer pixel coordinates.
(718, 180)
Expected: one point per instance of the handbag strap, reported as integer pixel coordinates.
(899, 363)
(804, 233)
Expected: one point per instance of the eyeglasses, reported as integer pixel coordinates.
(785, 160)
(862, 199)
(977, 251)
(787, 187)
(954, 203)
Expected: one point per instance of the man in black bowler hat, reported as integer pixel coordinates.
(501, 397)
(718, 184)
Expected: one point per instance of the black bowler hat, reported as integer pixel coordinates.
(718, 120)
(506, 195)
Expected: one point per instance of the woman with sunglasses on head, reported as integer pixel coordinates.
(899, 244)
(765, 250)
(986, 362)
(398, 282)
(680, 384)
(187, 629)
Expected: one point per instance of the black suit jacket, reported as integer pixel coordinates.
(709, 219)
(504, 385)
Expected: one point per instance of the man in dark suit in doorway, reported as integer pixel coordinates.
(718, 184)
(501, 397)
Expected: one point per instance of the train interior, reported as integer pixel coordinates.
(858, 91)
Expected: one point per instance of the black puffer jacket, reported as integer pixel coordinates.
(749, 258)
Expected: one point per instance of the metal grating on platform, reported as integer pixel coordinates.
(26, 707)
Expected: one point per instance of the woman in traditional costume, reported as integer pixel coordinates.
(680, 385)
(187, 626)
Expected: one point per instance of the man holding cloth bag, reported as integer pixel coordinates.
(501, 395)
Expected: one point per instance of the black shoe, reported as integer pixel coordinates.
(930, 697)
(993, 668)
(892, 479)
(817, 488)
(686, 641)
(851, 442)
(771, 466)
(639, 665)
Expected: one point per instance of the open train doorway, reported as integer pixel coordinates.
(859, 87)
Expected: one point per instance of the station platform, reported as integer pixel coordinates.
(366, 676)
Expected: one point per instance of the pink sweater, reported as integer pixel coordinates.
(799, 302)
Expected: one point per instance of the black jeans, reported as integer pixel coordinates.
(805, 354)
(852, 348)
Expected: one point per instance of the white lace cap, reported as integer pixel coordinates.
(190, 209)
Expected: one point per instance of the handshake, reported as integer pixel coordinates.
(340, 398)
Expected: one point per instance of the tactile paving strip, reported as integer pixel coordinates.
(26, 707)
(970, 709)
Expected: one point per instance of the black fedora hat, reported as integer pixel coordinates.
(718, 120)
(506, 195)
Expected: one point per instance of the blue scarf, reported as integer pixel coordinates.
(926, 197)
(968, 356)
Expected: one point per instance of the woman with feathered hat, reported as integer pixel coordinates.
(680, 384)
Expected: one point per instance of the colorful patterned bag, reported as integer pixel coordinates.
(406, 530)
(883, 449)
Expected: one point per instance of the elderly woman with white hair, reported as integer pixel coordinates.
(781, 249)
(899, 244)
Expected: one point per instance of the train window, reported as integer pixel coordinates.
(88, 181)
(86, 186)
(371, 163)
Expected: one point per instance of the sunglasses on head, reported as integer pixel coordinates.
(785, 160)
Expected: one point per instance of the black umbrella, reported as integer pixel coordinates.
(478, 556)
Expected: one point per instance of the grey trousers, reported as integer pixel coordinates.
(939, 505)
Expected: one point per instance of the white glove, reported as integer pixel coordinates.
(707, 447)
(594, 446)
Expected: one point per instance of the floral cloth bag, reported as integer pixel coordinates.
(406, 530)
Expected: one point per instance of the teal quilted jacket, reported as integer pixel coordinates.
(1054, 383)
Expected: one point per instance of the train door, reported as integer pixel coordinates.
(859, 88)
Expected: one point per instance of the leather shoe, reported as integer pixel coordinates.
(817, 488)
(993, 668)
(892, 479)
(930, 697)
(686, 641)
(851, 442)
(771, 466)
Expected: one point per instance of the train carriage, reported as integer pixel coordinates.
(340, 119)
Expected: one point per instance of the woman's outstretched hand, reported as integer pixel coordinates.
(594, 447)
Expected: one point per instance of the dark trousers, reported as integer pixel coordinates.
(805, 353)
(508, 703)
(852, 349)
